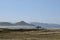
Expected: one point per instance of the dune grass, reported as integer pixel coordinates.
(28, 34)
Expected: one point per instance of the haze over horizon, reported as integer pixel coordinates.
(44, 11)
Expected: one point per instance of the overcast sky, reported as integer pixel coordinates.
(44, 11)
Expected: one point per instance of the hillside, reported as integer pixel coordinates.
(46, 25)
(5, 24)
(15, 24)
(23, 23)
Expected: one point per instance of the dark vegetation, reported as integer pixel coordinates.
(22, 30)
(28, 34)
(38, 27)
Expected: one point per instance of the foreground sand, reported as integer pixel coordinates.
(30, 35)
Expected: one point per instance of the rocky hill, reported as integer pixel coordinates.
(46, 25)
(18, 23)
(23, 23)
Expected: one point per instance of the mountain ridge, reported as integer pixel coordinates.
(18, 23)
(35, 24)
(46, 25)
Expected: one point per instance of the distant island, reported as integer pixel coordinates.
(18, 23)
(34, 24)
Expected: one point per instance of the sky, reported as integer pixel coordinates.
(44, 11)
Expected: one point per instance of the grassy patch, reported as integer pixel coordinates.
(29, 34)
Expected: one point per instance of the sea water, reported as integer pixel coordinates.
(17, 27)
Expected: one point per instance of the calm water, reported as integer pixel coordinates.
(17, 26)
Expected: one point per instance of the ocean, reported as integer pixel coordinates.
(17, 27)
